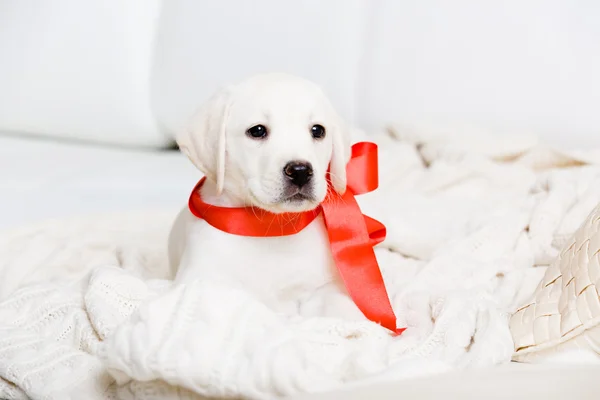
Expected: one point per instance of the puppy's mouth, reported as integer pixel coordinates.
(298, 198)
(289, 199)
(296, 201)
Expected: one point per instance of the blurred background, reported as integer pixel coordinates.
(91, 92)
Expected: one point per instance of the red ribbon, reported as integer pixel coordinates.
(352, 234)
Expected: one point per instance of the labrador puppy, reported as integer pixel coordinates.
(266, 143)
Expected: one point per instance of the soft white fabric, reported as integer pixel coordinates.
(468, 241)
(79, 70)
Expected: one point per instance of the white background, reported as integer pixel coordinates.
(132, 72)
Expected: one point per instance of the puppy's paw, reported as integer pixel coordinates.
(329, 302)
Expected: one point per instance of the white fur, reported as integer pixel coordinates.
(241, 171)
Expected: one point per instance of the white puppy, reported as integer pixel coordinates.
(267, 143)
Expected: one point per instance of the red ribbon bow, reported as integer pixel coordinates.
(352, 234)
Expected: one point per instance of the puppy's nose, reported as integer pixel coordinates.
(300, 173)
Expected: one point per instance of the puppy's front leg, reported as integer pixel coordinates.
(178, 239)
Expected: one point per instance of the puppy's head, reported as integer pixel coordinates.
(269, 141)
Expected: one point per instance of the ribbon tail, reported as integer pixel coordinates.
(355, 259)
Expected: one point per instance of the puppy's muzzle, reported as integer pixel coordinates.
(298, 173)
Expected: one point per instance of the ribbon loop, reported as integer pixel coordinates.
(352, 235)
(362, 170)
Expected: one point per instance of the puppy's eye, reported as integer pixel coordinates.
(257, 132)
(317, 131)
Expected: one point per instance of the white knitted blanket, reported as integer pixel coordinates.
(86, 311)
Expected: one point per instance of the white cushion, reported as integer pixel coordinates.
(79, 69)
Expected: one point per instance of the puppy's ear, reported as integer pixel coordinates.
(204, 139)
(340, 156)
